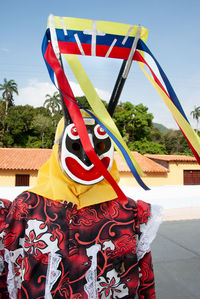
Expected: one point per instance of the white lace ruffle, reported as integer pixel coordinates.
(1, 265)
(12, 285)
(149, 231)
(52, 273)
(1, 240)
(91, 275)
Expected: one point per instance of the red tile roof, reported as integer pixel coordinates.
(32, 159)
(147, 165)
(169, 158)
(23, 158)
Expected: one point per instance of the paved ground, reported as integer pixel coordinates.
(176, 258)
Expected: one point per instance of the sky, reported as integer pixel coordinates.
(173, 39)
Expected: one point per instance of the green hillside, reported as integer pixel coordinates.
(160, 127)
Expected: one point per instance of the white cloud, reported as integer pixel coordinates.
(35, 93)
(104, 95)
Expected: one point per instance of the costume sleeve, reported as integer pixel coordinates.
(149, 219)
(4, 208)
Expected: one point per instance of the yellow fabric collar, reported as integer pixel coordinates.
(54, 184)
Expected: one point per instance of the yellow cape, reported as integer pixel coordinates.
(56, 185)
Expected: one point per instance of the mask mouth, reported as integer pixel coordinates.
(73, 158)
(81, 173)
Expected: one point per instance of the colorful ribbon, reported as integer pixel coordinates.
(161, 83)
(77, 118)
(108, 39)
(112, 131)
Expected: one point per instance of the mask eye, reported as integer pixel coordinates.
(100, 146)
(100, 133)
(74, 131)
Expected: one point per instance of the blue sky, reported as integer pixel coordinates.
(174, 40)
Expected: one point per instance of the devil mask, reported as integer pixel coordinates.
(73, 158)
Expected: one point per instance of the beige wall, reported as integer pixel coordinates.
(7, 177)
(173, 177)
(151, 179)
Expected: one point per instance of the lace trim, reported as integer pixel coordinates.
(12, 285)
(149, 231)
(91, 275)
(1, 240)
(52, 273)
(1, 265)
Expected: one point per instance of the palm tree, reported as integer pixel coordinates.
(8, 87)
(196, 115)
(53, 103)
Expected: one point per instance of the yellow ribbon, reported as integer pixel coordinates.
(68, 23)
(97, 105)
(184, 125)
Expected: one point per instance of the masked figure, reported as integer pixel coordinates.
(75, 234)
(70, 237)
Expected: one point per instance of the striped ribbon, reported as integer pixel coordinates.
(108, 39)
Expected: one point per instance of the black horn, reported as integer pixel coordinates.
(114, 99)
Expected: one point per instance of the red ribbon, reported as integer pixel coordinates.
(138, 57)
(77, 119)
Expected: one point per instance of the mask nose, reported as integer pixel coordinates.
(85, 158)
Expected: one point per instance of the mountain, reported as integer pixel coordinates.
(160, 127)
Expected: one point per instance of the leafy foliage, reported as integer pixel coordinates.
(144, 146)
(133, 122)
(29, 127)
(26, 126)
(176, 143)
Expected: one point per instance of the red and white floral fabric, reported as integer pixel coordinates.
(54, 250)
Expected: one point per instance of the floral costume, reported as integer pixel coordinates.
(54, 250)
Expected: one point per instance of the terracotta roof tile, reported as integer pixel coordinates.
(32, 159)
(23, 158)
(167, 158)
(147, 165)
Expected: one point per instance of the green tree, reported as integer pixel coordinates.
(84, 102)
(18, 123)
(196, 115)
(8, 88)
(144, 146)
(176, 143)
(133, 122)
(42, 124)
(157, 136)
(53, 103)
(22, 131)
(2, 116)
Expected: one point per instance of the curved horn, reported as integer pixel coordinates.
(123, 74)
(117, 90)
